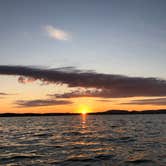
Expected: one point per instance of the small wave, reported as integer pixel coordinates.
(117, 140)
(104, 156)
(126, 139)
(82, 159)
(77, 162)
(43, 135)
(17, 158)
(74, 133)
(139, 161)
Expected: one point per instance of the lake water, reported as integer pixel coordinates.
(117, 140)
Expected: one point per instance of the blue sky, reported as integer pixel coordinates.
(109, 36)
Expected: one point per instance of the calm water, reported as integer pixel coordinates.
(117, 140)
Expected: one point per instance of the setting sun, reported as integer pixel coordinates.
(84, 109)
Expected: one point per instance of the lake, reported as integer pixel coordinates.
(79, 140)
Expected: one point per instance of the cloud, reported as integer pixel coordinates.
(25, 80)
(3, 94)
(78, 93)
(106, 85)
(41, 103)
(56, 33)
(104, 101)
(156, 101)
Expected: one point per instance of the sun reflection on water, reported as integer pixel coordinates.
(84, 116)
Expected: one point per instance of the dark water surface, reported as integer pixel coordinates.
(117, 140)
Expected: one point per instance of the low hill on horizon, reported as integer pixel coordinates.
(160, 111)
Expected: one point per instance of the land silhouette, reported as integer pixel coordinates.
(111, 112)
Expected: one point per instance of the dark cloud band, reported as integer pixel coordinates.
(109, 84)
(41, 103)
(156, 101)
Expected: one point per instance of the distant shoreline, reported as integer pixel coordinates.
(109, 112)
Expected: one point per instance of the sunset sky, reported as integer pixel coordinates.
(71, 55)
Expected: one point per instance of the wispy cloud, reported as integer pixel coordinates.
(55, 33)
(106, 85)
(79, 93)
(156, 101)
(104, 100)
(3, 94)
(41, 103)
(25, 80)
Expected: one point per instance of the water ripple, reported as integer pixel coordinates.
(70, 140)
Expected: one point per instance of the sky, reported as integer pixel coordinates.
(66, 56)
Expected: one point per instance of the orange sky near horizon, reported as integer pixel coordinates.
(34, 91)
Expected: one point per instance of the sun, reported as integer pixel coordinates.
(84, 112)
(84, 109)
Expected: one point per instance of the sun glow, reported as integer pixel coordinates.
(84, 112)
(84, 109)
